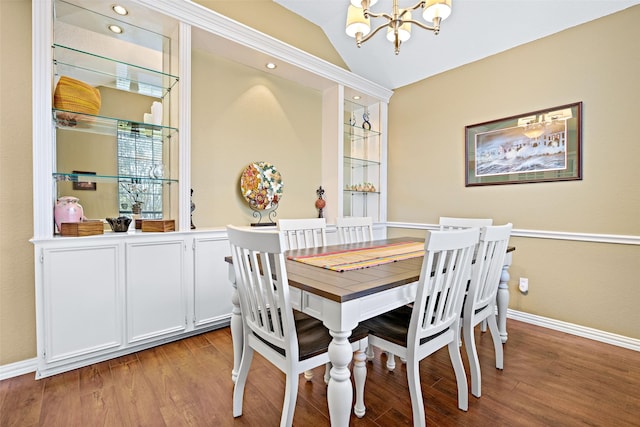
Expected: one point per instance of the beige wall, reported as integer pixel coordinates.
(277, 21)
(239, 116)
(17, 294)
(590, 284)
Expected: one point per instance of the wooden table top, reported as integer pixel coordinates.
(348, 285)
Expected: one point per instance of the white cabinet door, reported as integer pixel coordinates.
(155, 282)
(212, 292)
(82, 296)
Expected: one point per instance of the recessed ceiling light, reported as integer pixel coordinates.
(115, 29)
(120, 10)
(271, 65)
(356, 97)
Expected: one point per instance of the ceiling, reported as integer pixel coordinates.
(476, 29)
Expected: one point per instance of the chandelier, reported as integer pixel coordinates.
(398, 22)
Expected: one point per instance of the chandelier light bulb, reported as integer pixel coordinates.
(404, 31)
(435, 9)
(356, 22)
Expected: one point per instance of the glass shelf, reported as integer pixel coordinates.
(83, 177)
(354, 162)
(80, 122)
(102, 71)
(355, 133)
(355, 192)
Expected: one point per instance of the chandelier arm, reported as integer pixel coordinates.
(415, 6)
(374, 32)
(368, 13)
(421, 25)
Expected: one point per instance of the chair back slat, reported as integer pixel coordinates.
(304, 233)
(487, 268)
(353, 229)
(438, 304)
(261, 279)
(452, 223)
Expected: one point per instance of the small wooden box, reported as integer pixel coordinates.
(138, 224)
(85, 228)
(159, 225)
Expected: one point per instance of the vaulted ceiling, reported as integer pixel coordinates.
(475, 29)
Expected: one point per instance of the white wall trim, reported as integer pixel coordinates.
(542, 234)
(573, 329)
(18, 368)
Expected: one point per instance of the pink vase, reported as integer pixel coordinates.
(67, 210)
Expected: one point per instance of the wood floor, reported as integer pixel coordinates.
(550, 379)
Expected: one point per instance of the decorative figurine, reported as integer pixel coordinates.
(366, 124)
(320, 203)
(193, 208)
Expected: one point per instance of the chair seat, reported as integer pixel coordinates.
(314, 337)
(393, 326)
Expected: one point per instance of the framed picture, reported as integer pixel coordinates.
(84, 185)
(540, 146)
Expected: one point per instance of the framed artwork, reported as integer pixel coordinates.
(540, 146)
(84, 185)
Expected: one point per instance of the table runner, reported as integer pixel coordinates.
(354, 259)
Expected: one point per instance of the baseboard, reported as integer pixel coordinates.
(573, 329)
(18, 368)
(29, 365)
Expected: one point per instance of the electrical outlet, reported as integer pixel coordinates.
(524, 285)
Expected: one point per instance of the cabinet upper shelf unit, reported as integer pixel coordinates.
(102, 71)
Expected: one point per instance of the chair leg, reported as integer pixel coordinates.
(472, 355)
(415, 391)
(359, 376)
(327, 372)
(461, 378)
(308, 375)
(497, 341)
(243, 371)
(290, 397)
(391, 361)
(369, 353)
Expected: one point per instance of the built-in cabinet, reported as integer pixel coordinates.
(362, 160)
(103, 296)
(124, 152)
(100, 297)
(156, 288)
(82, 294)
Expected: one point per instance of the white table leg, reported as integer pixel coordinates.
(502, 298)
(236, 326)
(339, 391)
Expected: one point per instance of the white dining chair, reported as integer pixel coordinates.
(304, 233)
(293, 343)
(479, 304)
(456, 223)
(452, 223)
(433, 321)
(354, 229)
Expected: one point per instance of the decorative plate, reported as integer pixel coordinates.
(261, 185)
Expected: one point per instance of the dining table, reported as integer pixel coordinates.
(343, 296)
